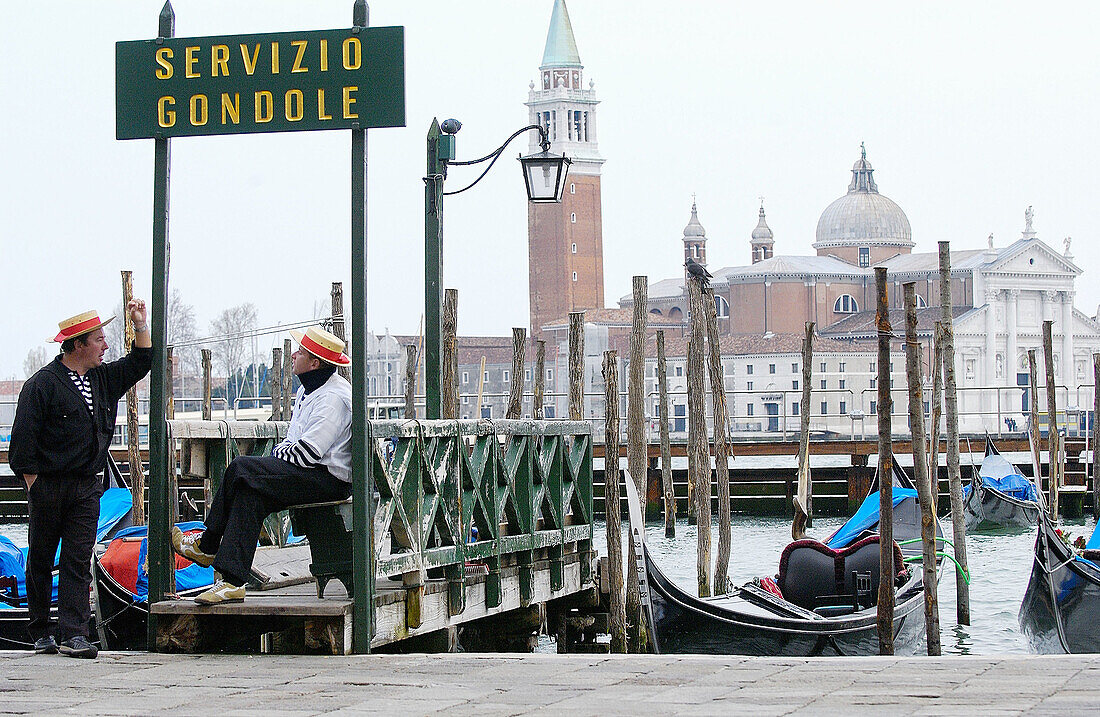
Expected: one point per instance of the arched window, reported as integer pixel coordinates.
(921, 303)
(675, 313)
(721, 307)
(845, 304)
(655, 311)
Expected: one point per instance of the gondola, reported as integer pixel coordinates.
(1000, 497)
(1060, 612)
(830, 593)
(120, 587)
(115, 514)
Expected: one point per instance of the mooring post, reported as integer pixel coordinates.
(937, 414)
(1095, 435)
(288, 379)
(698, 442)
(611, 502)
(636, 451)
(1033, 427)
(921, 476)
(515, 387)
(721, 442)
(885, 470)
(337, 294)
(207, 386)
(410, 381)
(133, 449)
(803, 498)
(951, 411)
(275, 384)
(576, 366)
(161, 563)
(448, 358)
(1053, 439)
(666, 444)
(538, 399)
(433, 267)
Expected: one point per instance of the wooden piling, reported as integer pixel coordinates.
(937, 414)
(515, 387)
(1054, 476)
(410, 381)
(338, 321)
(288, 379)
(1095, 435)
(666, 443)
(448, 361)
(576, 366)
(721, 443)
(133, 449)
(921, 477)
(803, 499)
(951, 413)
(885, 470)
(207, 385)
(1033, 424)
(636, 459)
(698, 442)
(612, 502)
(275, 383)
(538, 398)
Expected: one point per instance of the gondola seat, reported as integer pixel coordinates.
(814, 576)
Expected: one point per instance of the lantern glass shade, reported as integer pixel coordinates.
(544, 174)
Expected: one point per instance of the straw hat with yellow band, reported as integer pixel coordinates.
(323, 345)
(79, 325)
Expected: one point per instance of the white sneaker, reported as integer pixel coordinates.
(220, 592)
(187, 545)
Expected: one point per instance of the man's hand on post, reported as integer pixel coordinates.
(142, 337)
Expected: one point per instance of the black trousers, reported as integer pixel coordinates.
(65, 509)
(252, 489)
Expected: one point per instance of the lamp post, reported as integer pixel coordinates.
(544, 178)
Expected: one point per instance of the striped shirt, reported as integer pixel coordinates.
(84, 385)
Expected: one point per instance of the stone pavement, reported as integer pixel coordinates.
(481, 685)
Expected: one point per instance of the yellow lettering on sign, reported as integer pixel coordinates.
(163, 55)
(250, 61)
(324, 55)
(165, 116)
(219, 60)
(265, 107)
(301, 45)
(274, 58)
(190, 60)
(353, 53)
(199, 110)
(294, 105)
(321, 113)
(349, 101)
(231, 107)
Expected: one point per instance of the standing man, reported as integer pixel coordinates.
(311, 465)
(59, 441)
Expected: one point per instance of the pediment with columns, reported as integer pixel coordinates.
(1032, 257)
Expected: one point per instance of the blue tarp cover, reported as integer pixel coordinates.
(997, 473)
(193, 576)
(865, 518)
(1094, 541)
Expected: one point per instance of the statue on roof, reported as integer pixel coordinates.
(1067, 241)
(1029, 215)
(990, 240)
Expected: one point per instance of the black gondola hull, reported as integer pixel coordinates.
(1060, 612)
(987, 507)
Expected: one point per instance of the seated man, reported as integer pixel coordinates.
(311, 465)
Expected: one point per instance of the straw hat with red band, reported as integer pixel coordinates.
(79, 325)
(323, 345)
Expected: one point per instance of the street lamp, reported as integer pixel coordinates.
(544, 177)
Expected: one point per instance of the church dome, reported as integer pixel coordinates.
(863, 216)
(694, 229)
(762, 232)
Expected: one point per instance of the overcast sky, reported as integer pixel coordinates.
(970, 111)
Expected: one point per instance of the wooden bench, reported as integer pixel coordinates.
(328, 527)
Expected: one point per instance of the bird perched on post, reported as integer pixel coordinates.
(698, 271)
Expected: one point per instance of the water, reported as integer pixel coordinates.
(1000, 565)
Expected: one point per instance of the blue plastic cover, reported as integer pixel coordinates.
(997, 473)
(865, 518)
(189, 578)
(1094, 541)
(114, 504)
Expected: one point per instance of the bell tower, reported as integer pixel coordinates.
(565, 241)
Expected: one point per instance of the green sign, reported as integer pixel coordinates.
(282, 82)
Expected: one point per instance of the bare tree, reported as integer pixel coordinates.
(233, 326)
(36, 359)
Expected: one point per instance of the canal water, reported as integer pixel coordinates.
(1000, 564)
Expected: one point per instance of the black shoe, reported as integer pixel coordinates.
(78, 647)
(45, 646)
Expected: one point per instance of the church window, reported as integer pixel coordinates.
(845, 304)
(921, 303)
(655, 311)
(587, 131)
(574, 276)
(721, 307)
(864, 256)
(553, 124)
(572, 188)
(577, 126)
(574, 247)
(573, 217)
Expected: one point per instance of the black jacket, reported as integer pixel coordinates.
(53, 432)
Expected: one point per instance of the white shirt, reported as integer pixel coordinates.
(320, 429)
